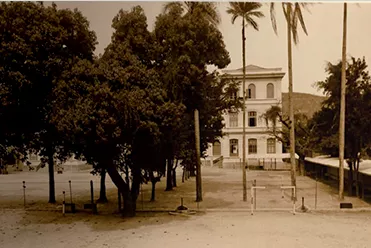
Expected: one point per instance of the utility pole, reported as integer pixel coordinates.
(198, 161)
(342, 107)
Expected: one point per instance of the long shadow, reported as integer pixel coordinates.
(100, 222)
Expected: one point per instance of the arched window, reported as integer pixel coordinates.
(216, 148)
(253, 146)
(270, 90)
(233, 147)
(233, 119)
(271, 145)
(251, 91)
(252, 119)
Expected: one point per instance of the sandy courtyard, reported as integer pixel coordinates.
(41, 229)
(224, 225)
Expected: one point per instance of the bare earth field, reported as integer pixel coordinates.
(268, 229)
(230, 225)
(222, 189)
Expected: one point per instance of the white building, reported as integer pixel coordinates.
(263, 90)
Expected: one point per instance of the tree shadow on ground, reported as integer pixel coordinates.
(107, 222)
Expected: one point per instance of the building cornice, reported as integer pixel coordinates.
(278, 75)
(248, 132)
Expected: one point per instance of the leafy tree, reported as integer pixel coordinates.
(357, 119)
(182, 58)
(248, 11)
(115, 119)
(293, 15)
(304, 132)
(38, 45)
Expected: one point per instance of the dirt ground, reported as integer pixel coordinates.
(222, 189)
(230, 225)
(269, 229)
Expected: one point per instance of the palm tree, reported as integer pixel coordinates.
(293, 15)
(248, 11)
(342, 107)
(209, 12)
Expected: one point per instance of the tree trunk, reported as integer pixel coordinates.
(129, 204)
(342, 108)
(174, 173)
(135, 186)
(291, 105)
(357, 177)
(192, 171)
(244, 183)
(302, 165)
(183, 175)
(153, 193)
(169, 179)
(350, 179)
(198, 157)
(51, 176)
(102, 193)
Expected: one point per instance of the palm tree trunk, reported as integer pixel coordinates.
(244, 112)
(291, 106)
(342, 107)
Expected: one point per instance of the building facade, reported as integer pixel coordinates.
(263, 90)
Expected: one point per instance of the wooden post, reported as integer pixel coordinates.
(70, 192)
(315, 195)
(24, 193)
(254, 184)
(64, 203)
(141, 195)
(93, 206)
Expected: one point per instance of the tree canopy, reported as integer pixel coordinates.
(131, 109)
(358, 104)
(38, 46)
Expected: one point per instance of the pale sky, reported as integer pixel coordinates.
(264, 48)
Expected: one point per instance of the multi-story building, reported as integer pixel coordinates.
(263, 90)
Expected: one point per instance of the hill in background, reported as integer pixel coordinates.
(305, 103)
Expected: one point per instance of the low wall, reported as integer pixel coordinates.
(330, 175)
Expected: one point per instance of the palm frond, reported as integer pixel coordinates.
(300, 16)
(273, 18)
(285, 10)
(257, 14)
(294, 27)
(247, 11)
(297, 16)
(234, 17)
(209, 10)
(251, 22)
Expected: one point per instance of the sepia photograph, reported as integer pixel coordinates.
(184, 124)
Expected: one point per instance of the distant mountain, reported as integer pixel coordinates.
(303, 102)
